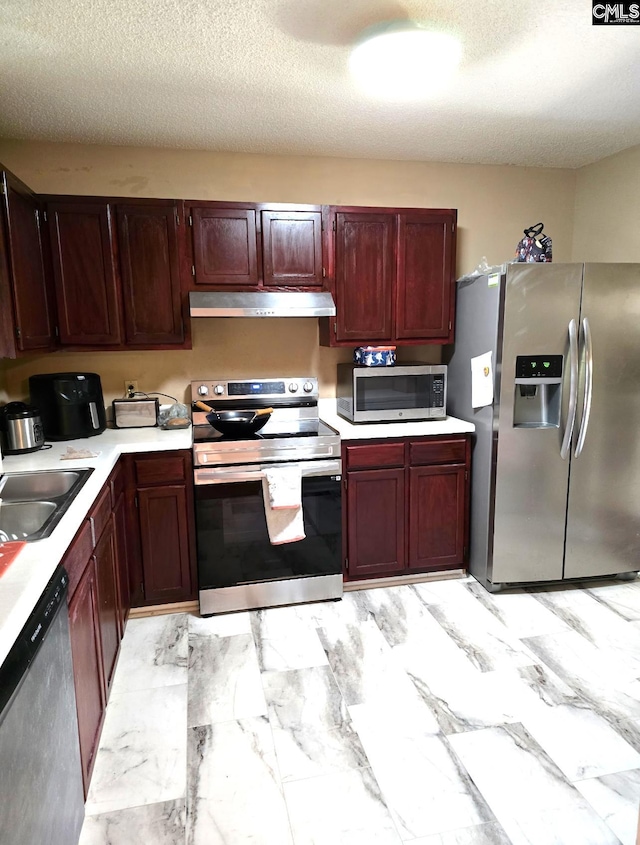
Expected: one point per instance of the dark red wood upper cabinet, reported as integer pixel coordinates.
(292, 248)
(26, 285)
(393, 272)
(424, 288)
(225, 246)
(84, 267)
(150, 270)
(364, 274)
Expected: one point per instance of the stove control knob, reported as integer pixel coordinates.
(307, 387)
(293, 387)
(203, 390)
(218, 389)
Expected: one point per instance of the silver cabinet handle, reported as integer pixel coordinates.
(93, 413)
(588, 388)
(573, 390)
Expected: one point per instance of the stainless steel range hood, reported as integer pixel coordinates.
(280, 304)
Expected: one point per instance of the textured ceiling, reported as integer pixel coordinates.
(539, 85)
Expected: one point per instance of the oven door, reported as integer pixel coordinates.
(238, 568)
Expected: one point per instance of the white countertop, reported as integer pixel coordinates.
(370, 431)
(24, 581)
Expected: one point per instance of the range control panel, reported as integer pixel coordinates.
(222, 389)
(539, 366)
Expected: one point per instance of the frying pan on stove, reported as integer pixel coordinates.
(236, 423)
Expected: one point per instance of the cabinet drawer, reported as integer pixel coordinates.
(442, 451)
(100, 513)
(77, 556)
(160, 470)
(374, 455)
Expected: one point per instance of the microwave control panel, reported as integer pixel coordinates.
(437, 391)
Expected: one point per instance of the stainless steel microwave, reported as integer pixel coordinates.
(392, 394)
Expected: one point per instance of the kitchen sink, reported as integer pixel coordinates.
(21, 520)
(32, 503)
(27, 486)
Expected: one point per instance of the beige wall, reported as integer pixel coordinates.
(494, 205)
(607, 213)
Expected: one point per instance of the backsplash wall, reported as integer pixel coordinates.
(224, 347)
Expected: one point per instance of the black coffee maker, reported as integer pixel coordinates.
(71, 404)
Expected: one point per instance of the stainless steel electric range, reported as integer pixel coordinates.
(238, 567)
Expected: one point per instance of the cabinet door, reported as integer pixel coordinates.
(292, 248)
(109, 610)
(31, 296)
(375, 522)
(149, 265)
(225, 247)
(84, 270)
(437, 497)
(122, 559)
(364, 271)
(164, 536)
(424, 292)
(86, 651)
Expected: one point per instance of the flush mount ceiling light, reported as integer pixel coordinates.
(404, 60)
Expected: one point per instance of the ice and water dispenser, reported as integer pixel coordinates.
(538, 391)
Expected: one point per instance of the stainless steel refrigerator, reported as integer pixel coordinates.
(555, 487)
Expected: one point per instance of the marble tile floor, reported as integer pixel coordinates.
(430, 714)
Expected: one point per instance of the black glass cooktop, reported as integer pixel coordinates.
(208, 434)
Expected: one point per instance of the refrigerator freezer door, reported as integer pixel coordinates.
(531, 476)
(603, 522)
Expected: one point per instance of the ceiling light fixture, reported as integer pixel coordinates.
(403, 60)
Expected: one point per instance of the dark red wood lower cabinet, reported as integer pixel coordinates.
(164, 537)
(120, 528)
(86, 650)
(109, 610)
(375, 506)
(410, 516)
(161, 528)
(436, 516)
(96, 615)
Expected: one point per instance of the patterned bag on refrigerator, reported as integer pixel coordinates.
(535, 246)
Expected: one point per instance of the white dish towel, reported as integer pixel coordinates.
(282, 493)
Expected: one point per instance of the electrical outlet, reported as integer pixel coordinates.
(130, 387)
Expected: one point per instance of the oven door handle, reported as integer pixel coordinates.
(227, 475)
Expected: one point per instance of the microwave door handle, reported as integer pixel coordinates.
(588, 389)
(573, 389)
(93, 413)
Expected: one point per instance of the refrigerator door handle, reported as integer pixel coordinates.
(588, 389)
(573, 390)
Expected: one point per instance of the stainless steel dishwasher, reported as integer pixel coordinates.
(40, 775)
